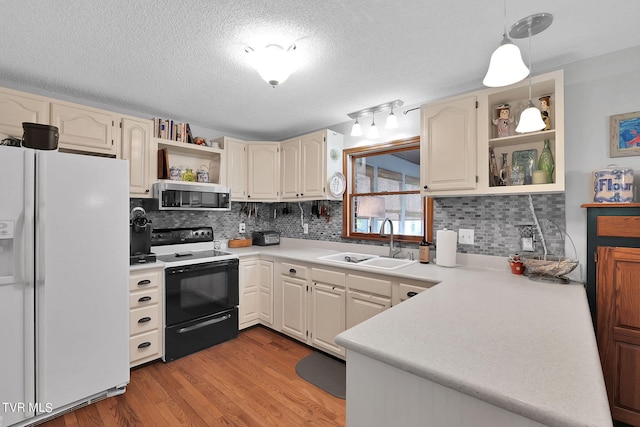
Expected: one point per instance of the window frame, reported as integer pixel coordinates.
(349, 156)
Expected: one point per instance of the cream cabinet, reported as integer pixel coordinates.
(448, 145)
(249, 282)
(265, 289)
(307, 164)
(136, 147)
(85, 129)
(18, 107)
(403, 290)
(256, 292)
(145, 315)
(457, 135)
(366, 297)
(236, 156)
(327, 309)
(263, 178)
(191, 156)
(293, 291)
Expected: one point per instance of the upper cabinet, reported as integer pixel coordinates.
(18, 107)
(307, 163)
(85, 129)
(236, 158)
(136, 148)
(449, 148)
(448, 145)
(182, 156)
(263, 165)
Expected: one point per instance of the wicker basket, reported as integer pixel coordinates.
(240, 243)
(552, 266)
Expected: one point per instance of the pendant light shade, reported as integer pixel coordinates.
(373, 130)
(392, 121)
(356, 130)
(506, 66)
(530, 120)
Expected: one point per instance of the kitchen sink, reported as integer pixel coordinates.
(387, 263)
(348, 257)
(367, 260)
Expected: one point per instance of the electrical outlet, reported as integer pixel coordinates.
(305, 228)
(465, 236)
(242, 228)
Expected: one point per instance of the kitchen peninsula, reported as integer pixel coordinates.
(482, 347)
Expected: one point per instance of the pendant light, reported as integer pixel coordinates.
(373, 129)
(356, 130)
(506, 66)
(531, 118)
(392, 121)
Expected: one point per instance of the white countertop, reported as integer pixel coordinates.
(524, 346)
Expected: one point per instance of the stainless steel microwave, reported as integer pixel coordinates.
(180, 196)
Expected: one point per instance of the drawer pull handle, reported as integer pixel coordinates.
(292, 270)
(144, 344)
(204, 324)
(144, 282)
(144, 319)
(411, 294)
(144, 299)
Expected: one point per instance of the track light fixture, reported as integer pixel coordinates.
(391, 123)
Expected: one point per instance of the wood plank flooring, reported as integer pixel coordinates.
(249, 381)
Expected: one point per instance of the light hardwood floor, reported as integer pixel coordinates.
(249, 381)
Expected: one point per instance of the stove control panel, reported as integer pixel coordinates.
(172, 236)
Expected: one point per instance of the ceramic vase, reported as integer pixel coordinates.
(546, 162)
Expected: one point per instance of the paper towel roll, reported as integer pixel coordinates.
(446, 245)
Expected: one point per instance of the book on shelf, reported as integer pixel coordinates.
(172, 130)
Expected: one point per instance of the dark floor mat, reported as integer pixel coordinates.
(324, 372)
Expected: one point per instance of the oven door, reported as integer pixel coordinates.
(200, 290)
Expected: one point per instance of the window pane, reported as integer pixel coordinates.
(398, 171)
(404, 211)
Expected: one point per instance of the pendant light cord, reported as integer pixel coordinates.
(530, 24)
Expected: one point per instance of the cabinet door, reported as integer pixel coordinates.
(328, 316)
(248, 277)
(84, 129)
(294, 307)
(448, 145)
(16, 107)
(264, 172)
(266, 292)
(135, 138)
(290, 165)
(313, 171)
(236, 169)
(618, 329)
(362, 306)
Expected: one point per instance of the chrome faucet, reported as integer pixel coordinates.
(392, 249)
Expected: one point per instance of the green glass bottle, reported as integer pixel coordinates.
(546, 162)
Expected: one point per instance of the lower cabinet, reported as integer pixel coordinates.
(293, 283)
(256, 292)
(366, 298)
(145, 315)
(327, 309)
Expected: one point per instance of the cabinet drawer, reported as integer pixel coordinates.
(143, 319)
(144, 279)
(328, 276)
(618, 226)
(143, 298)
(293, 270)
(369, 285)
(144, 345)
(405, 291)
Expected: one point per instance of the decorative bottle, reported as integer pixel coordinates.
(505, 171)
(424, 251)
(546, 162)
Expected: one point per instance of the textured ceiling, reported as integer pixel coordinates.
(185, 59)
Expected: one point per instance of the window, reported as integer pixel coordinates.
(384, 182)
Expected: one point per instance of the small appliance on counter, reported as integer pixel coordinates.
(140, 238)
(266, 238)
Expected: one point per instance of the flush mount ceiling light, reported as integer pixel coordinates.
(274, 63)
(530, 119)
(506, 66)
(391, 123)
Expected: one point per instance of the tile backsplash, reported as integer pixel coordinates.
(494, 219)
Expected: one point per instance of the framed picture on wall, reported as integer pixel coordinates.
(625, 135)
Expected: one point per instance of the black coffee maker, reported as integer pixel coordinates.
(140, 238)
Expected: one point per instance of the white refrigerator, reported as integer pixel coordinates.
(64, 255)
